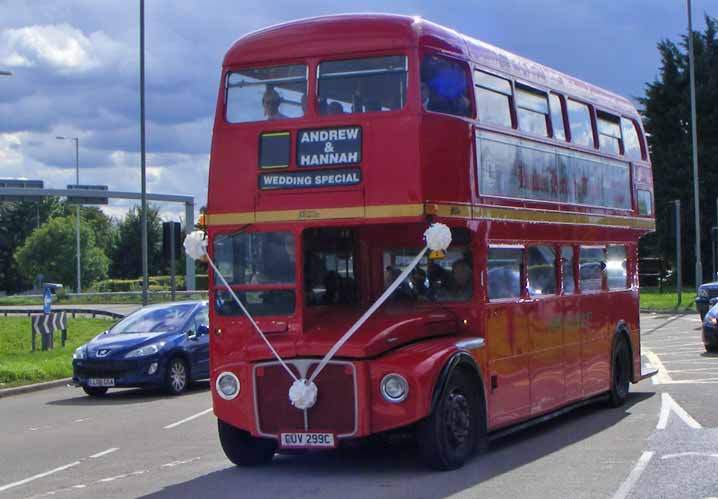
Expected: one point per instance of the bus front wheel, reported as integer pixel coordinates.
(620, 373)
(450, 434)
(242, 448)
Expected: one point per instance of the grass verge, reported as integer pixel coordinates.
(667, 301)
(20, 366)
(19, 301)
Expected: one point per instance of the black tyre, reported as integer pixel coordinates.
(177, 376)
(456, 427)
(711, 348)
(95, 391)
(242, 448)
(620, 373)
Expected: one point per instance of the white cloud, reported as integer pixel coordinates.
(60, 46)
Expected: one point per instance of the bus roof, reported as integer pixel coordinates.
(350, 33)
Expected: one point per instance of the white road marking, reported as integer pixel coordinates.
(653, 378)
(681, 454)
(104, 452)
(633, 477)
(177, 463)
(40, 475)
(662, 377)
(199, 414)
(668, 405)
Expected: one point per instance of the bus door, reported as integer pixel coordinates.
(595, 347)
(507, 334)
(546, 363)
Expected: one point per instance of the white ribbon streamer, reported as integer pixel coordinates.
(191, 242)
(438, 237)
(367, 314)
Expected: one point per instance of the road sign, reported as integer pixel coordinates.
(16, 183)
(47, 301)
(86, 200)
(46, 325)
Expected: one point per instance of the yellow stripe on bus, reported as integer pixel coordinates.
(463, 211)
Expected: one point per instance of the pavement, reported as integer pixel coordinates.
(663, 443)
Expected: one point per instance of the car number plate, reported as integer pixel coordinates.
(100, 382)
(307, 440)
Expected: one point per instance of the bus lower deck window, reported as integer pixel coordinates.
(504, 272)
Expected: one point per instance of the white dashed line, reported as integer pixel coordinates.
(633, 477)
(40, 475)
(682, 454)
(199, 414)
(104, 452)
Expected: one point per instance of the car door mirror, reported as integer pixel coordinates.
(203, 329)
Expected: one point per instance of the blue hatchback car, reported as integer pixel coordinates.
(163, 345)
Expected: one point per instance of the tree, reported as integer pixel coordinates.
(667, 121)
(17, 221)
(126, 254)
(50, 251)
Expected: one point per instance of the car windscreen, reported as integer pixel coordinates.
(154, 320)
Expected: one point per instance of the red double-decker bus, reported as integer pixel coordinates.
(337, 141)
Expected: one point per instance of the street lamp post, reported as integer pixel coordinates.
(143, 216)
(77, 228)
(694, 134)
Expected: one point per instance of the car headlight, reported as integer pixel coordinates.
(146, 350)
(227, 385)
(394, 388)
(711, 320)
(79, 353)
(702, 292)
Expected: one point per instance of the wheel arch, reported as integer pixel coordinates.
(463, 361)
(623, 331)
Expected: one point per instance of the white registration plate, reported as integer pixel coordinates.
(307, 440)
(100, 382)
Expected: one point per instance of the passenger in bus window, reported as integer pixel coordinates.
(335, 108)
(418, 284)
(459, 286)
(270, 102)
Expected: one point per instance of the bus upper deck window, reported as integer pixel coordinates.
(532, 110)
(493, 99)
(579, 120)
(372, 84)
(609, 133)
(630, 139)
(557, 109)
(268, 93)
(444, 86)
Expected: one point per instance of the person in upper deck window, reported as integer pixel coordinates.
(270, 102)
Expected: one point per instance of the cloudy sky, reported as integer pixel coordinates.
(76, 71)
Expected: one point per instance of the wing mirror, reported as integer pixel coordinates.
(203, 329)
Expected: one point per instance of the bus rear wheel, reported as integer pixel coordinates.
(620, 373)
(242, 448)
(450, 434)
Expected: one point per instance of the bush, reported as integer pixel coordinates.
(155, 283)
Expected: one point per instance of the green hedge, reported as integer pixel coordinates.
(156, 283)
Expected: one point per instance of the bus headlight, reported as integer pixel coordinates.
(394, 388)
(227, 385)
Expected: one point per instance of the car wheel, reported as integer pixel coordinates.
(177, 377)
(711, 348)
(242, 448)
(620, 373)
(451, 433)
(95, 391)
